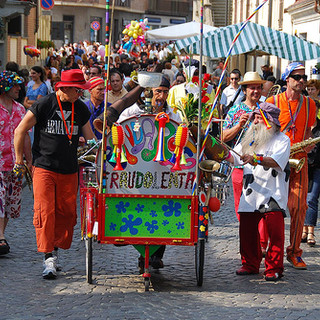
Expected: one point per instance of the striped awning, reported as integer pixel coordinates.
(253, 37)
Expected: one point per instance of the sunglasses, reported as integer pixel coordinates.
(298, 77)
(78, 90)
(234, 79)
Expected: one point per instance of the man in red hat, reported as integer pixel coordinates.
(59, 119)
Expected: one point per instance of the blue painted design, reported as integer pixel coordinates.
(180, 225)
(152, 227)
(121, 207)
(165, 222)
(112, 226)
(130, 224)
(169, 231)
(153, 214)
(172, 208)
(139, 208)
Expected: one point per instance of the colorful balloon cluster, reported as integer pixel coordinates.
(134, 34)
(31, 51)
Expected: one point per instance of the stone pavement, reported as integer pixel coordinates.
(118, 290)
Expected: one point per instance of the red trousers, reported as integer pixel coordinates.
(250, 248)
(55, 208)
(297, 204)
(237, 183)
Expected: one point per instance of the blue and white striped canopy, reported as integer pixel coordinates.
(253, 37)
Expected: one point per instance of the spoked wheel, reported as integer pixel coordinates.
(89, 259)
(199, 261)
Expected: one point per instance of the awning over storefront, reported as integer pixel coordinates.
(253, 37)
(178, 31)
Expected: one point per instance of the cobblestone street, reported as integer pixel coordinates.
(117, 291)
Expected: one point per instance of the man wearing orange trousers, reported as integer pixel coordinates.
(298, 114)
(59, 119)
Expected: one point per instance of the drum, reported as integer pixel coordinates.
(224, 170)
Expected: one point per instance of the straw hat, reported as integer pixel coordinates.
(252, 77)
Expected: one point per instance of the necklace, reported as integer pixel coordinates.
(293, 118)
(69, 134)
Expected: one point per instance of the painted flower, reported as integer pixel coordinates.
(152, 227)
(139, 208)
(153, 214)
(180, 225)
(121, 207)
(130, 224)
(172, 209)
(112, 226)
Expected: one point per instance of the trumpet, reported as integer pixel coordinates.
(297, 164)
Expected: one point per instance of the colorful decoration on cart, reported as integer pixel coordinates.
(148, 217)
(163, 119)
(31, 51)
(118, 155)
(203, 222)
(142, 175)
(134, 34)
(214, 204)
(181, 139)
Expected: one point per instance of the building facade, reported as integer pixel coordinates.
(71, 20)
(18, 24)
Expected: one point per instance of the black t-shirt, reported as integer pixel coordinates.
(51, 147)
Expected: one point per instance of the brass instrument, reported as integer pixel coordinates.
(298, 147)
(274, 90)
(297, 164)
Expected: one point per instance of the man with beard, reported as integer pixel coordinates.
(236, 122)
(297, 116)
(265, 154)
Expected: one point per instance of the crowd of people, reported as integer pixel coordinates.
(63, 102)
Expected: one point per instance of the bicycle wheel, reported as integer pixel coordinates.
(88, 242)
(199, 260)
(88, 238)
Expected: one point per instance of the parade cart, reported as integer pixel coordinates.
(146, 198)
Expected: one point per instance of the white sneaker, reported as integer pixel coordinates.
(57, 261)
(49, 271)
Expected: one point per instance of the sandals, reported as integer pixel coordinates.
(304, 237)
(310, 241)
(4, 247)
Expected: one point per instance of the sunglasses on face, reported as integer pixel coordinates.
(298, 77)
(235, 79)
(78, 90)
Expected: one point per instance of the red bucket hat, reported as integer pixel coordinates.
(73, 78)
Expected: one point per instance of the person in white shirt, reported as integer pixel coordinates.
(232, 94)
(265, 155)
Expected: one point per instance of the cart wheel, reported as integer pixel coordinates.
(146, 283)
(199, 261)
(89, 259)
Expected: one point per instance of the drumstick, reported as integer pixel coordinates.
(228, 147)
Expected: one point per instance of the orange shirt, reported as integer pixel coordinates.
(281, 102)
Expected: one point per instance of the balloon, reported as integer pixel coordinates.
(125, 31)
(214, 204)
(135, 36)
(130, 33)
(31, 51)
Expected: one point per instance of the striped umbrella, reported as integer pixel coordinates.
(254, 37)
